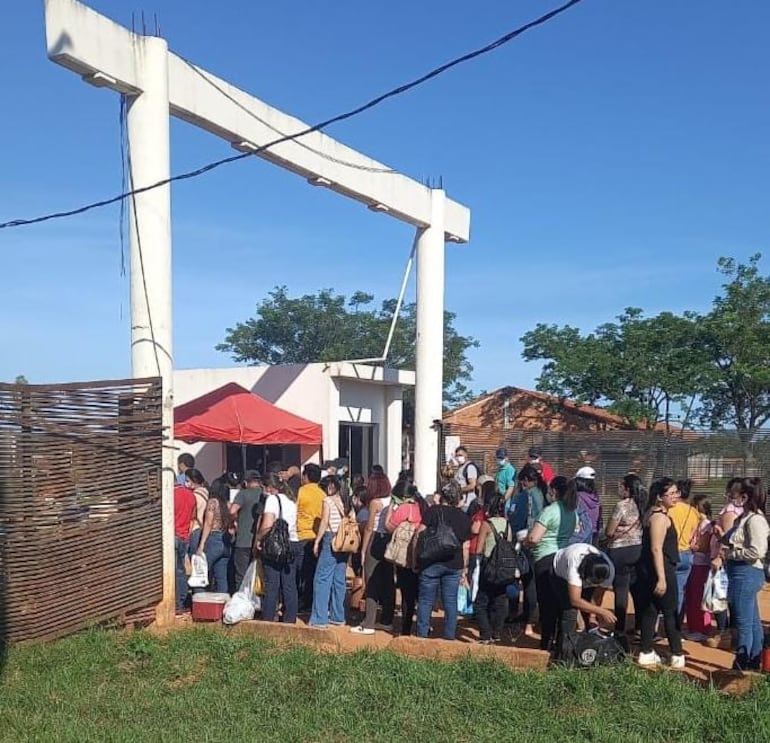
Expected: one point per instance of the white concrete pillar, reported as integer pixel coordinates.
(393, 433)
(150, 240)
(331, 432)
(430, 345)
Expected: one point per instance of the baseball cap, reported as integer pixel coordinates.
(535, 451)
(587, 473)
(251, 475)
(501, 453)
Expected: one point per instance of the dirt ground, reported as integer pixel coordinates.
(516, 650)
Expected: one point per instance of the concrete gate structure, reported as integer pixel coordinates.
(159, 83)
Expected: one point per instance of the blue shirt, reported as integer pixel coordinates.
(505, 477)
(522, 503)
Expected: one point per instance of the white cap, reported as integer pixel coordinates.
(587, 473)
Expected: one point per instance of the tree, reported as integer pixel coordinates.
(329, 327)
(737, 339)
(639, 367)
(20, 379)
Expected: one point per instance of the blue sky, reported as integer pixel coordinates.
(609, 158)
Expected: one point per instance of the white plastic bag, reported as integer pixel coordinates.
(244, 603)
(238, 609)
(199, 577)
(715, 592)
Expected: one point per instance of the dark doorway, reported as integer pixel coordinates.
(357, 446)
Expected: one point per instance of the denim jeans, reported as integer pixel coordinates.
(217, 553)
(180, 547)
(432, 579)
(281, 585)
(745, 582)
(329, 585)
(683, 569)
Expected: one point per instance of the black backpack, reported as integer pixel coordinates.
(592, 648)
(437, 543)
(276, 546)
(506, 564)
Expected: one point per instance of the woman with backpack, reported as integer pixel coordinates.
(552, 531)
(526, 506)
(405, 515)
(442, 554)
(624, 546)
(280, 547)
(329, 583)
(491, 602)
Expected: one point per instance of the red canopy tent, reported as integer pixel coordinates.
(233, 414)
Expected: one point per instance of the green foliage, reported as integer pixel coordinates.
(737, 339)
(329, 327)
(715, 367)
(20, 379)
(207, 685)
(638, 366)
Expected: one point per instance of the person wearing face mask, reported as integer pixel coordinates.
(466, 476)
(505, 479)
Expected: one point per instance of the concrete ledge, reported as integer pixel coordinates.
(288, 635)
(446, 650)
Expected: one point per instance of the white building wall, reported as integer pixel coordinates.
(321, 393)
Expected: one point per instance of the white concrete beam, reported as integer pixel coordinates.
(86, 42)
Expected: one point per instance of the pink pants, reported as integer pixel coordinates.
(697, 619)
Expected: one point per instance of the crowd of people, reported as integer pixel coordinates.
(526, 547)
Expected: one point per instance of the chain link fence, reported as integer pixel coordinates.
(710, 459)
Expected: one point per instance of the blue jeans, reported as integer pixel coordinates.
(432, 579)
(281, 585)
(683, 569)
(745, 582)
(329, 585)
(217, 553)
(180, 547)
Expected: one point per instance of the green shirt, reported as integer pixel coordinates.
(505, 478)
(559, 526)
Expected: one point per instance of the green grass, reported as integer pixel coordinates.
(201, 685)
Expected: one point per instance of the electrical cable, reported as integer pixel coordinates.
(506, 38)
(249, 112)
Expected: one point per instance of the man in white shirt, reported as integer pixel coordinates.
(581, 575)
(466, 476)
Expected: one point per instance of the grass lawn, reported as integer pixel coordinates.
(201, 685)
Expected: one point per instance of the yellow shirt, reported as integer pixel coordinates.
(309, 509)
(685, 519)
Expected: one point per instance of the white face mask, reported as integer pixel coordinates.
(461, 458)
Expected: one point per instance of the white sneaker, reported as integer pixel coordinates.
(677, 661)
(649, 659)
(361, 630)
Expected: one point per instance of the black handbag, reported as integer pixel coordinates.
(378, 545)
(437, 543)
(592, 648)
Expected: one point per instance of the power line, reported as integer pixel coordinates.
(506, 38)
(264, 122)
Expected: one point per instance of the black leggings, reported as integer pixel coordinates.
(530, 590)
(649, 605)
(408, 582)
(547, 601)
(625, 559)
(491, 607)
